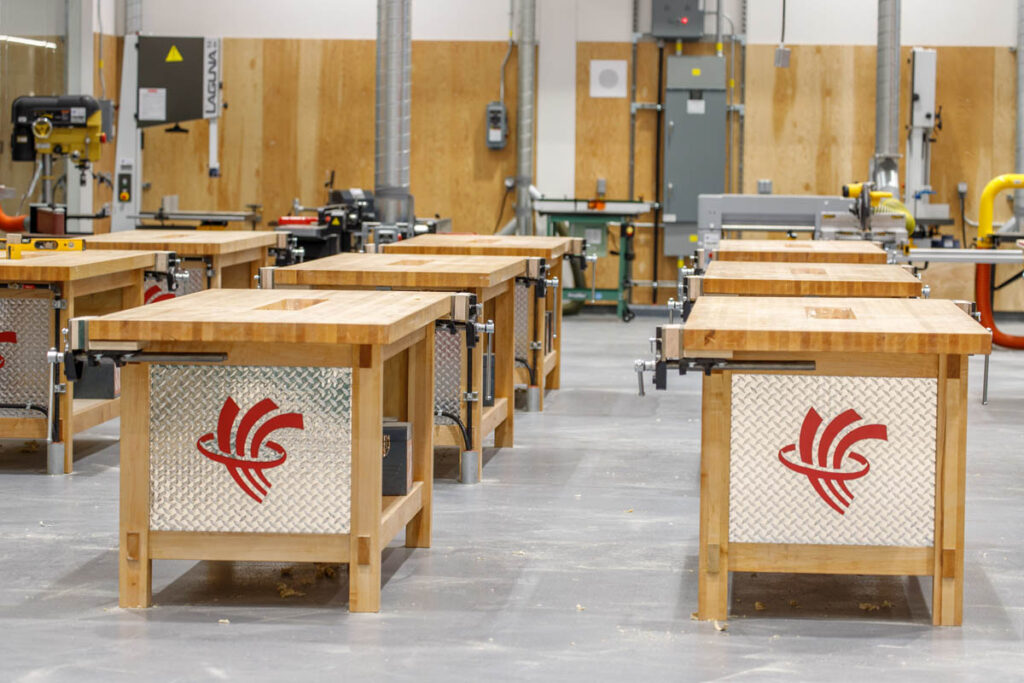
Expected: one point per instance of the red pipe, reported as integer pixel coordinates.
(983, 295)
(12, 223)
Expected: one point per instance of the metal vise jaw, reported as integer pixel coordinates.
(168, 265)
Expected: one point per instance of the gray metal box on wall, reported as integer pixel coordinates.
(677, 19)
(694, 153)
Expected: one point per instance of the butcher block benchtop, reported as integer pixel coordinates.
(403, 270)
(755, 324)
(67, 266)
(483, 245)
(809, 279)
(801, 251)
(185, 242)
(288, 316)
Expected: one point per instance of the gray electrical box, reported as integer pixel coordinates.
(694, 152)
(677, 19)
(497, 125)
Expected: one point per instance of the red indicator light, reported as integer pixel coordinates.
(684, 20)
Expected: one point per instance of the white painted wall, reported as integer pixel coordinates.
(33, 17)
(853, 22)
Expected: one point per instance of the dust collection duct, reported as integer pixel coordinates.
(885, 163)
(524, 117)
(394, 112)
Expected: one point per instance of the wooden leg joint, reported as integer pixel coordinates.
(949, 564)
(132, 545)
(714, 564)
(363, 550)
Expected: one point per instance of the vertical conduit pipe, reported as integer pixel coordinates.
(524, 123)
(885, 166)
(393, 112)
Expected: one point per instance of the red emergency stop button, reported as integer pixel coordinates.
(684, 20)
(124, 196)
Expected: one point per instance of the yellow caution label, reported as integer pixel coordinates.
(695, 71)
(335, 222)
(693, 238)
(680, 263)
(732, 82)
(173, 55)
(719, 46)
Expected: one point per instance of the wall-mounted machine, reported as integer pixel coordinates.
(164, 81)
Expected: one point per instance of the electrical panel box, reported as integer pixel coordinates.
(677, 19)
(497, 125)
(922, 88)
(694, 145)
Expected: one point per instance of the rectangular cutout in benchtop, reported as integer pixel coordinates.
(291, 304)
(830, 313)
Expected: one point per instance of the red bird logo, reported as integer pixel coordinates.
(7, 338)
(155, 294)
(248, 472)
(830, 479)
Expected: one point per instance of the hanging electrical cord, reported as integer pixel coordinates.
(501, 208)
(458, 423)
(508, 53)
(529, 369)
(32, 185)
(782, 38)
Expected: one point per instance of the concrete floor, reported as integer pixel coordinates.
(573, 560)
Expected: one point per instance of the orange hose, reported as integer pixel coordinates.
(983, 295)
(12, 223)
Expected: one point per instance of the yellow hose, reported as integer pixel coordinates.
(988, 198)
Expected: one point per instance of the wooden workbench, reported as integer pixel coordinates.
(326, 360)
(491, 279)
(534, 323)
(814, 279)
(215, 259)
(890, 388)
(85, 283)
(800, 251)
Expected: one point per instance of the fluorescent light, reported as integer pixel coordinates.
(28, 41)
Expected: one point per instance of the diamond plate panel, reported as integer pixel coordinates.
(522, 319)
(448, 363)
(892, 503)
(308, 493)
(25, 337)
(156, 287)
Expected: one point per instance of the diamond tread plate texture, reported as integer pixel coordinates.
(196, 282)
(448, 364)
(310, 491)
(24, 377)
(522, 319)
(893, 504)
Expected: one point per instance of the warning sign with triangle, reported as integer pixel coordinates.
(335, 222)
(173, 55)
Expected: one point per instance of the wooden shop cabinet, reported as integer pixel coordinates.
(483, 406)
(252, 428)
(857, 467)
(538, 327)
